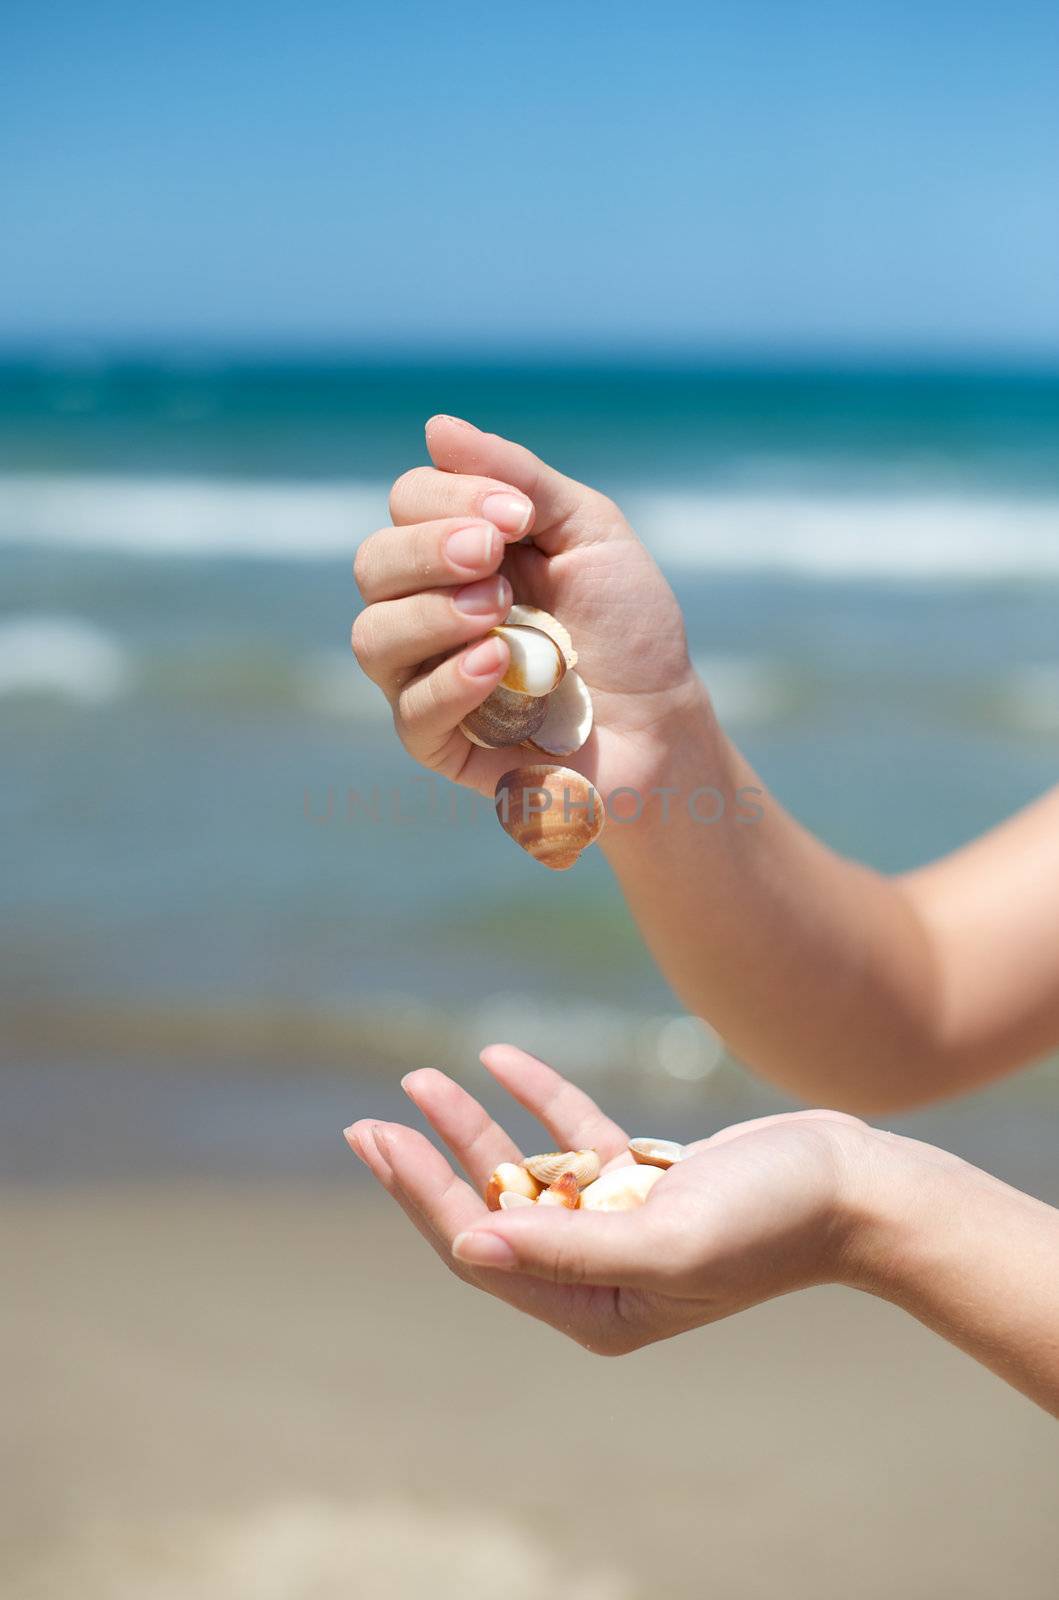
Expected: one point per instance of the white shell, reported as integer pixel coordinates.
(537, 663)
(584, 1164)
(510, 1199)
(656, 1152)
(510, 1177)
(534, 617)
(568, 720)
(620, 1189)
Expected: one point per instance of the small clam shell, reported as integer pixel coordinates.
(655, 1152)
(537, 663)
(505, 718)
(552, 812)
(510, 1199)
(534, 617)
(563, 1192)
(621, 1189)
(518, 705)
(582, 1164)
(567, 722)
(510, 1178)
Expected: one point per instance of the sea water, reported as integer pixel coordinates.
(214, 849)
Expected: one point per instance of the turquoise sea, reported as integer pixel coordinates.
(203, 935)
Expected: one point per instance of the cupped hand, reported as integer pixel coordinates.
(451, 566)
(757, 1210)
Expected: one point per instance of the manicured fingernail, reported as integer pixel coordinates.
(474, 547)
(483, 1249)
(511, 513)
(483, 599)
(484, 659)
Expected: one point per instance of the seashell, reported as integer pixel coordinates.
(537, 663)
(510, 1199)
(546, 1169)
(505, 718)
(510, 1178)
(567, 721)
(563, 1192)
(655, 1152)
(518, 706)
(621, 1189)
(552, 812)
(534, 617)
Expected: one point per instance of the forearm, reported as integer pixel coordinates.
(815, 970)
(972, 1258)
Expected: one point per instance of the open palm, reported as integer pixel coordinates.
(755, 1211)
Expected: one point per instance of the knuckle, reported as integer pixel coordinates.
(362, 563)
(602, 507)
(361, 638)
(403, 486)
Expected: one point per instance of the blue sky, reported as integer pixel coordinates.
(763, 175)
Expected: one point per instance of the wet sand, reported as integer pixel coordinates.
(275, 1391)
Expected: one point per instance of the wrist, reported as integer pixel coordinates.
(680, 766)
(903, 1202)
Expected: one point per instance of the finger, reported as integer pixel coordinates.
(626, 1249)
(572, 1118)
(478, 1143)
(400, 561)
(425, 494)
(432, 705)
(395, 636)
(459, 447)
(441, 1205)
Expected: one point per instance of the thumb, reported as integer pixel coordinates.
(623, 1249)
(458, 446)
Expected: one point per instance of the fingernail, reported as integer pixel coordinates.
(353, 1142)
(483, 1249)
(483, 599)
(471, 548)
(510, 513)
(484, 659)
(405, 1086)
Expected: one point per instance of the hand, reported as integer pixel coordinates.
(755, 1211)
(447, 572)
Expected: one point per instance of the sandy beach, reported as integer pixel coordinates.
(275, 1391)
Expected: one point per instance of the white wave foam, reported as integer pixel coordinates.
(854, 536)
(64, 656)
(913, 536)
(189, 516)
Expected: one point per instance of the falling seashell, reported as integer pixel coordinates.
(656, 1152)
(546, 1169)
(510, 1178)
(567, 722)
(510, 1199)
(552, 812)
(505, 718)
(534, 617)
(621, 1189)
(518, 705)
(563, 1192)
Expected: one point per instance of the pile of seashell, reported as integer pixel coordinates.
(572, 1178)
(551, 811)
